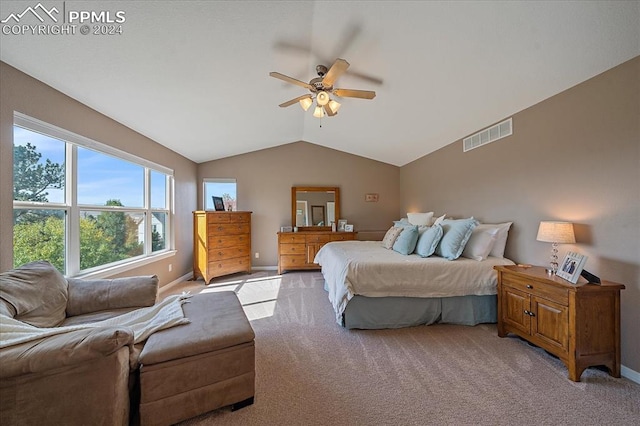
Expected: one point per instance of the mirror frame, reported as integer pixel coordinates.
(295, 189)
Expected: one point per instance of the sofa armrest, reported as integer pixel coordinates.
(62, 350)
(86, 296)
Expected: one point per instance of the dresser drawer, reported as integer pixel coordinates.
(292, 238)
(228, 252)
(229, 228)
(342, 237)
(292, 261)
(322, 238)
(292, 248)
(228, 266)
(222, 241)
(230, 217)
(548, 291)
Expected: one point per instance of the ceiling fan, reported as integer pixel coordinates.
(321, 87)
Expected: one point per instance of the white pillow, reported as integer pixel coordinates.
(501, 239)
(439, 220)
(481, 242)
(420, 219)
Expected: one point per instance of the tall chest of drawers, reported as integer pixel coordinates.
(221, 243)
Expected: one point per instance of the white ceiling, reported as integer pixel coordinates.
(194, 75)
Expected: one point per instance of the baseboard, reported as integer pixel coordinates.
(264, 268)
(181, 279)
(630, 374)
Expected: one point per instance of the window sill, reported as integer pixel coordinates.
(117, 269)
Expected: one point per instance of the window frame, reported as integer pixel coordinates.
(205, 181)
(72, 209)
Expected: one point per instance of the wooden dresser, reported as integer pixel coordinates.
(221, 243)
(579, 323)
(296, 250)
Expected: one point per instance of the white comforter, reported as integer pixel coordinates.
(365, 268)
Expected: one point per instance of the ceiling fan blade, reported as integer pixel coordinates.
(348, 93)
(293, 101)
(336, 70)
(328, 111)
(290, 80)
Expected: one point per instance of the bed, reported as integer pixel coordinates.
(371, 287)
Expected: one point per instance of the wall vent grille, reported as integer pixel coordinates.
(488, 135)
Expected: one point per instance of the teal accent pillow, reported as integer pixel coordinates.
(456, 233)
(401, 223)
(428, 241)
(406, 241)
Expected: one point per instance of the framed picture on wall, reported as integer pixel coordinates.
(572, 266)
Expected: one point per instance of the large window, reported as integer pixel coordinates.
(82, 205)
(224, 188)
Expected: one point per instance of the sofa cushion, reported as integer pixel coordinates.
(38, 293)
(86, 296)
(217, 321)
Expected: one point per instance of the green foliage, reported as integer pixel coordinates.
(39, 240)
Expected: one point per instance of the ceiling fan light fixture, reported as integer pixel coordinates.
(306, 103)
(322, 98)
(334, 106)
(319, 112)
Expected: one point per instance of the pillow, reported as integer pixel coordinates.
(481, 242)
(390, 237)
(428, 241)
(439, 220)
(406, 241)
(420, 218)
(501, 239)
(37, 292)
(456, 233)
(401, 223)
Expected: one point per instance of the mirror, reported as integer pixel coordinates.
(313, 208)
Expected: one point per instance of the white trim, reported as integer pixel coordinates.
(185, 277)
(630, 374)
(264, 268)
(117, 269)
(45, 128)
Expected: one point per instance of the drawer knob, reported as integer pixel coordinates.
(531, 314)
(529, 286)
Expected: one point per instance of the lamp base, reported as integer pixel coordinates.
(554, 258)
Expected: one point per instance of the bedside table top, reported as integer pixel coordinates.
(540, 273)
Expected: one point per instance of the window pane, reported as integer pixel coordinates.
(38, 167)
(223, 188)
(158, 190)
(39, 235)
(102, 178)
(107, 237)
(158, 231)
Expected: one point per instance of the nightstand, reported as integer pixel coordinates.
(579, 323)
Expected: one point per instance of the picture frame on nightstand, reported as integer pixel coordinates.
(341, 224)
(572, 266)
(348, 228)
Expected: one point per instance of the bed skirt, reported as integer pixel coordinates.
(397, 312)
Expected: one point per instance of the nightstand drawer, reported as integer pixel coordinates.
(536, 288)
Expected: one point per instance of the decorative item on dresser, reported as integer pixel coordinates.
(297, 250)
(578, 323)
(221, 243)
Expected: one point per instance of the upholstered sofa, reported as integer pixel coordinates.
(99, 375)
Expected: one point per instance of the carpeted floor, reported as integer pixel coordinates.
(310, 371)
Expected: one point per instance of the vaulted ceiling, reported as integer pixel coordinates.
(194, 75)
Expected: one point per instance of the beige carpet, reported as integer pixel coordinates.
(310, 371)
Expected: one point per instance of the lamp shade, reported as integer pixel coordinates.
(318, 112)
(305, 103)
(322, 98)
(556, 232)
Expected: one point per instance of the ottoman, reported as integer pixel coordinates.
(194, 368)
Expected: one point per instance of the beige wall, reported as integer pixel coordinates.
(29, 96)
(264, 180)
(572, 157)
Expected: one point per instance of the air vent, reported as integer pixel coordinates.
(491, 134)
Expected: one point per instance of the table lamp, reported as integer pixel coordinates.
(555, 233)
